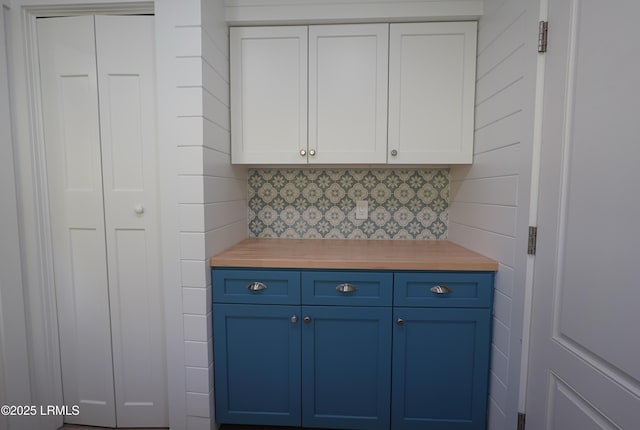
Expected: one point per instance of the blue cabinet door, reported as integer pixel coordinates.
(257, 364)
(440, 368)
(346, 370)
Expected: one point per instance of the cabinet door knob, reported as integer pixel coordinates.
(440, 289)
(138, 209)
(256, 286)
(312, 152)
(294, 319)
(394, 152)
(400, 321)
(346, 288)
(303, 152)
(307, 320)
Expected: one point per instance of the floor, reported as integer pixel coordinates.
(76, 427)
(224, 427)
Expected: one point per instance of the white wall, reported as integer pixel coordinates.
(489, 210)
(212, 194)
(207, 198)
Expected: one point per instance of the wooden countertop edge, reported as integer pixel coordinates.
(355, 265)
(463, 260)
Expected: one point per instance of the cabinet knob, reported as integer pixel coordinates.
(312, 152)
(294, 319)
(440, 289)
(256, 286)
(400, 321)
(394, 152)
(346, 288)
(303, 152)
(307, 320)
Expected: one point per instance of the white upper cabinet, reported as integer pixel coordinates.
(348, 70)
(431, 92)
(377, 93)
(268, 95)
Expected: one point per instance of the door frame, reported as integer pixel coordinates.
(40, 296)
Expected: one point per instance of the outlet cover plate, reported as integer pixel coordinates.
(362, 209)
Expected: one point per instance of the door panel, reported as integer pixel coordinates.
(440, 362)
(431, 92)
(346, 356)
(348, 68)
(268, 94)
(72, 145)
(126, 84)
(569, 409)
(583, 354)
(123, 131)
(257, 364)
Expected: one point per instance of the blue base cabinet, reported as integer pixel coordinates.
(369, 350)
(259, 349)
(346, 367)
(440, 362)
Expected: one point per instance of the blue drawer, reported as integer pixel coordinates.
(457, 289)
(239, 286)
(370, 288)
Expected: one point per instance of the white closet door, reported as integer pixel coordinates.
(126, 85)
(74, 173)
(99, 124)
(126, 80)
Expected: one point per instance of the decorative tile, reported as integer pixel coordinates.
(403, 204)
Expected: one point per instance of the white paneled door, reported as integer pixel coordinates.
(97, 82)
(584, 368)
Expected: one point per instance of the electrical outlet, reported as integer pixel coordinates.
(362, 209)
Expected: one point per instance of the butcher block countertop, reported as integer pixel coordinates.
(353, 254)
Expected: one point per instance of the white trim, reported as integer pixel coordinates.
(14, 367)
(169, 223)
(323, 12)
(533, 217)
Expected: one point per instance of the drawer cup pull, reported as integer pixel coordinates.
(440, 289)
(346, 288)
(256, 286)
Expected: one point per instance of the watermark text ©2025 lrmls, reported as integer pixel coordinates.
(32, 410)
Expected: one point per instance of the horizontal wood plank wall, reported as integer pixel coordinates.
(212, 193)
(490, 199)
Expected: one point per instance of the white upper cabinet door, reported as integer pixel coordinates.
(431, 92)
(268, 95)
(348, 78)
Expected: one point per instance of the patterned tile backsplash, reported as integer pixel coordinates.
(403, 204)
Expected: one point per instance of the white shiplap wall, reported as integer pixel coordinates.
(489, 209)
(212, 193)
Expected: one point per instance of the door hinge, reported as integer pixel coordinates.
(521, 419)
(533, 238)
(543, 29)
